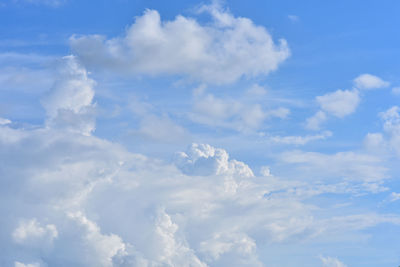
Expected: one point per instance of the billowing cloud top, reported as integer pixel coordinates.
(219, 52)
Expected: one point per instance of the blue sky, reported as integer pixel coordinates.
(187, 133)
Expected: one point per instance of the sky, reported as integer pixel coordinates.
(189, 133)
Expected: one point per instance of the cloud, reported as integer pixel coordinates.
(220, 52)
(331, 262)
(161, 129)
(245, 115)
(4, 121)
(314, 122)
(347, 166)
(394, 196)
(69, 102)
(154, 126)
(396, 90)
(20, 264)
(51, 3)
(339, 103)
(293, 18)
(374, 141)
(32, 231)
(300, 140)
(391, 126)
(100, 205)
(202, 159)
(368, 82)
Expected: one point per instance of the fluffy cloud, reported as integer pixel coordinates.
(221, 51)
(69, 102)
(32, 231)
(206, 160)
(368, 82)
(100, 205)
(339, 103)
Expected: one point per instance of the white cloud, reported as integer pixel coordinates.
(52, 3)
(339, 103)
(31, 231)
(331, 262)
(219, 52)
(314, 122)
(256, 90)
(20, 264)
(160, 129)
(394, 196)
(368, 82)
(100, 248)
(374, 141)
(243, 115)
(349, 166)
(300, 140)
(396, 90)
(69, 102)
(4, 121)
(23, 79)
(202, 159)
(110, 207)
(293, 18)
(391, 126)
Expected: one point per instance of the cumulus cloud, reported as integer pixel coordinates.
(331, 262)
(339, 103)
(69, 102)
(222, 51)
(100, 205)
(32, 231)
(369, 82)
(203, 159)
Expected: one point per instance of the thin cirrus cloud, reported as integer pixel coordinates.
(220, 52)
(243, 114)
(51, 3)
